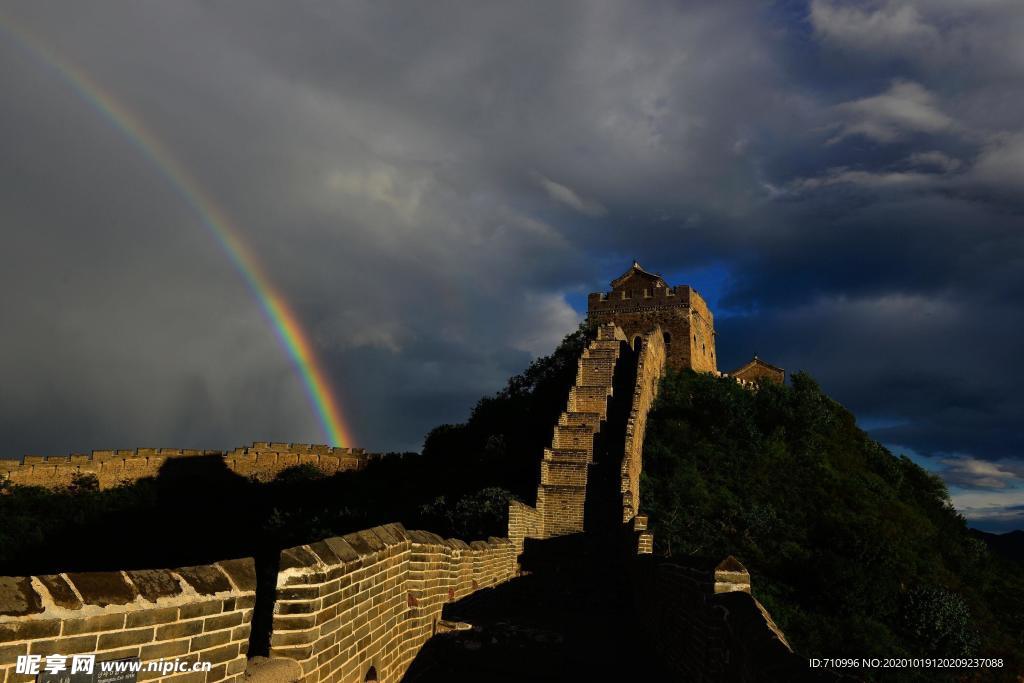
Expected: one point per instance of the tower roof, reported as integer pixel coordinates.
(636, 270)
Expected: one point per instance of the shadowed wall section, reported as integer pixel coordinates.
(701, 619)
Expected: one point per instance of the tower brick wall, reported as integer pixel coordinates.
(640, 301)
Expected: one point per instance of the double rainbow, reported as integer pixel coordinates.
(282, 318)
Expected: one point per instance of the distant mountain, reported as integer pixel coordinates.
(1010, 545)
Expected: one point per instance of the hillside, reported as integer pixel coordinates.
(856, 552)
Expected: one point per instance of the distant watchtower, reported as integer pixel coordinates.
(640, 300)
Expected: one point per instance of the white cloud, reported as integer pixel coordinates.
(905, 108)
(1006, 505)
(553, 319)
(842, 175)
(1001, 162)
(974, 473)
(885, 27)
(935, 160)
(569, 197)
(381, 185)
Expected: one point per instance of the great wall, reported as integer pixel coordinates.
(262, 461)
(361, 607)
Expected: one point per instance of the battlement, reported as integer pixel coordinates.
(262, 460)
(679, 294)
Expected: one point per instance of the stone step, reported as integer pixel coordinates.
(597, 363)
(575, 437)
(566, 455)
(610, 354)
(563, 473)
(592, 420)
(589, 400)
(604, 345)
(593, 372)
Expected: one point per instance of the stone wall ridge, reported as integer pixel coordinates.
(262, 461)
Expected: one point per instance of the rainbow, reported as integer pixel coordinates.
(285, 323)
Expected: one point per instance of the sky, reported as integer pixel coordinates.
(435, 187)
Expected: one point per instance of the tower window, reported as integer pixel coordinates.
(668, 339)
(636, 343)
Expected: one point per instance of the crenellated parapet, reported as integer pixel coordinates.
(263, 460)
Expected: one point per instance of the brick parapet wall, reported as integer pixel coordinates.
(262, 460)
(650, 370)
(199, 613)
(372, 598)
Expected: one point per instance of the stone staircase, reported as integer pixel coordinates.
(561, 495)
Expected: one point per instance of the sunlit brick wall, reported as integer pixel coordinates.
(372, 598)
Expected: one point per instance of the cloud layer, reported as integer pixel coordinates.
(431, 187)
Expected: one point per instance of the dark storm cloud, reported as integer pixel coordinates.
(428, 183)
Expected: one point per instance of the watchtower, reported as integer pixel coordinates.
(639, 301)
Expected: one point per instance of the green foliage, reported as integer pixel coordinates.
(476, 515)
(938, 620)
(305, 472)
(84, 482)
(855, 552)
(502, 441)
